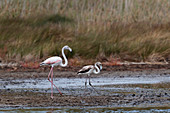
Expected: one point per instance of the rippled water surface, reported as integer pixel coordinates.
(101, 84)
(90, 110)
(79, 82)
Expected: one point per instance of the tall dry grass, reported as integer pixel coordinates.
(130, 29)
(98, 11)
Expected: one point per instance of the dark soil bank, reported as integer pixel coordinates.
(144, 93)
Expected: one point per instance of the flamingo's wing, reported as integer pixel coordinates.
(85, 69)
(53, 60)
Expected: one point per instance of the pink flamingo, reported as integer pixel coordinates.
(55, 61)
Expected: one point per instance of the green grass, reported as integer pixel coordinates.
(93, 29)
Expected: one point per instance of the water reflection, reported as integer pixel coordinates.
(91, 110)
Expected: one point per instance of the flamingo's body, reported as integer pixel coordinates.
(86, 70)
(89, 70)
(55, 61)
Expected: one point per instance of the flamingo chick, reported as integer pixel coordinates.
(89, 69)
(55, 61)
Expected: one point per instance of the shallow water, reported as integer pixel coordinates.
(106, 85)
(79, 82)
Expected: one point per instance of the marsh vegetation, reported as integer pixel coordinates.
(126, 29)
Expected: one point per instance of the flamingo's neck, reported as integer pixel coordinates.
(97, 70)
(65, 59)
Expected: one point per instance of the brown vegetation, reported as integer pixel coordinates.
(133, 30)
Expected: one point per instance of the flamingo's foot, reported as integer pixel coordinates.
(52, 97)
(61, 94)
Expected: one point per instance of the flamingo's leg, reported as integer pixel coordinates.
(52, 82)
(85, 85)
(92, 86)
(50, 74)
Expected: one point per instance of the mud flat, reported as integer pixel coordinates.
(144, 90)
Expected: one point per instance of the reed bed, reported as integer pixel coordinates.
(129, 29)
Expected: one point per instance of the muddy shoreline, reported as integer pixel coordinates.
(111, 95)
(70, 71)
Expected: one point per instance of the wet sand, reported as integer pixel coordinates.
(117, 87)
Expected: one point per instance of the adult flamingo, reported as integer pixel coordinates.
(55, 61)
(89, 69)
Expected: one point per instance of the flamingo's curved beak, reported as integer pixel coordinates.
(100, 67)
(41, 64)
(70, 49)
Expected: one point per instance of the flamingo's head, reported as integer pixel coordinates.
(99, 64)
(67, 47)
(42, 63)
